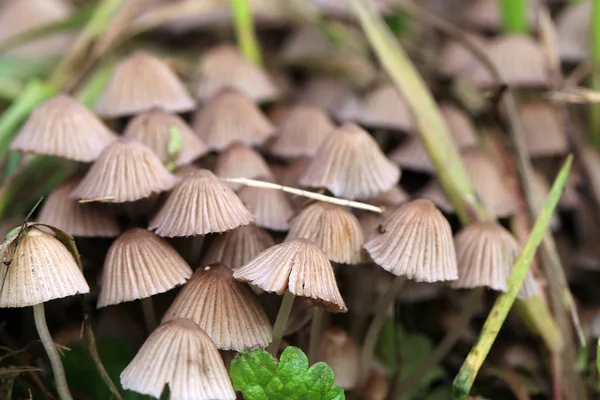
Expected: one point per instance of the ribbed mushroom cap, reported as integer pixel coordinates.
(240, 161)
(543, 130)
(63, 127)
(486, 252)
(351, 165)
(232, 117)
(19, 16)
(227, 310)
(302, 132)
(573, 26)
(126, 170)
(179, 354)
(141, 82)
(82, 220)
(519, 59)
(385, 108)
(456, 59)
(392, 197)
(489, 183)
(339, 351)
(460, 126)
(306, 43)
(298, 266)
(140, 264)
(434, 192)
(371, 222)
(224, 68)
(327, 92)
(485, 14)
(416, 242)
(153, 128)
(349, 110)
(334, 229)
(40, 269)
(238, 246)
(200, 204)
(412, 155)
(271, 208)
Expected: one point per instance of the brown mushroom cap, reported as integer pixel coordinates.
(241, 161)
(385, 108)
(238, 246)
(412, 155)
(271, 208)
(341, 353)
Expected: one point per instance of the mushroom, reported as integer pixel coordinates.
(271, 208)
(241, 161)
(238, 246)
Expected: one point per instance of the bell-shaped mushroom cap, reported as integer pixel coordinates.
(141, 82)
(271, 208)
(65, 128)
(238, 246)
(82, 220)
(489, 183)
(125, 171)
(224, 68)
(350, 164)
(434, 192)
(339, 351)
(385, 108)
(306, 43)
(334, 229)
(299, 266)
(153, 128)
(232, 117)
(179, 354)
(200, 204)
(302, 132)
(240, 161)
(20, 16)
(415, 241)
(519, 59)
(392, 197)
(486, 252)
(412, 155)
(573, 26)
(485, 14)
(326, 92)
(343, 8)
(227, 310)
(460, 126)
(543, 130)
(456, 59)
(140, 264)
(40, 269)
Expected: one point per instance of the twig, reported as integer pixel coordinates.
(305, 193)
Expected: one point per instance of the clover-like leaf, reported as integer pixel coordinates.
(259, 377)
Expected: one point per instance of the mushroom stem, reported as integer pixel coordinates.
(60, 379)
(280, 322)
(149, 314)
(305, 193)
(377, 323)
(316, 328)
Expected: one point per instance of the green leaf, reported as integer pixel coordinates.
(259, 377)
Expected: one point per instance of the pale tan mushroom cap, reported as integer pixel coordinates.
(238, 246)
(298, 266)
(241, 161)
(412, 155)
(41, 269)
(140, 264)
(385, 108)
(341, 353)
(179, 354)
(271, 208)
(141, 82)
(573, 31)
(417, 243)
(63, 127)
(227, 310)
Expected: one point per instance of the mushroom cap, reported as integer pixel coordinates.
(543, 130)
(271, 208)
(238, 246)
(227, 310)
(326, 92)
(126, 171)
(141, 82)
(153, 128)
(299, 266)
(460, 126)
(412, 155)
(179, 354)
(334, 229)
(230, 117)
(140, 264)
(434, 192)
(81, 220)
(573, 26)
(351, 165)
(200, 204)
(456, 59)
(341, 353)
(241, 161)
(63, 127)
(385, 108)
(416, 242)
(391, 197)
(225, 68)
(40, 269)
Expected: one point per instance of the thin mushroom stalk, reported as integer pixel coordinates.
(280, 322)
(58, 370)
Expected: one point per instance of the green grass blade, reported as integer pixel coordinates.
(244, 30)
(466, 376)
